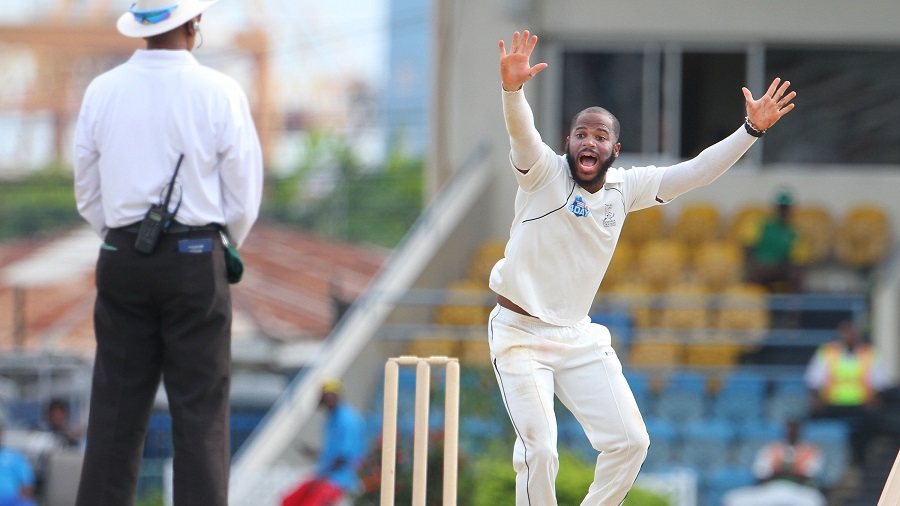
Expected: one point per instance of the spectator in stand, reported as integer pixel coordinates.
(769, 261)
(342, 455)
(846, 377)
(57, 423)
(16, 477)
(787, 472)
(62, 437)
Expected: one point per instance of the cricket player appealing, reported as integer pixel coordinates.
(569, 212)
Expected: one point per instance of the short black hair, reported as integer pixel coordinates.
(57, 403)
(599, 110)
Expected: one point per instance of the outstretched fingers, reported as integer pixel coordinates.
(529, 43)
(773, 87)
(515, 68)
(771, 106)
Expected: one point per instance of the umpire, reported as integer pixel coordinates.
(165, 313)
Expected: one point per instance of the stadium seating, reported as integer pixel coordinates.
(707, 443)
(833, 438)
(680, 305)
(696, 224)
(643, 226)
(719, 264)
(482, 261)
(463, 305)
(746, 223)
(664, 438)
(662, 263)
(636, 299)
(742, 307)
(662, 350)
(789, 400)
(685, 306)
(719, 481)
(622, 266)
(640, 387)
(683, 399)
(815, 230)
(741, 398)
(863, 237)
(752, 437)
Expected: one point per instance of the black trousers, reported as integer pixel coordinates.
(166, 315)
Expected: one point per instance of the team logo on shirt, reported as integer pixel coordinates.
(609, 218)
(579, 207)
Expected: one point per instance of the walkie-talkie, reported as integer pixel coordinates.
(157, 219)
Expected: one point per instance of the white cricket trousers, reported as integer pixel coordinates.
(533, 360)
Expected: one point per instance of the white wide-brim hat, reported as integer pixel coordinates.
(180, 12)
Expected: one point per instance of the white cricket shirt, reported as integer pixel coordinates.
(563, 237)
(134, 122)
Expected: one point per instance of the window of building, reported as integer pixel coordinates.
(677, 101)
(712, 106)
(848, 102)
(613, 81)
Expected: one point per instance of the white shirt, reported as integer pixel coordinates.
(139, 117)
(563, 237)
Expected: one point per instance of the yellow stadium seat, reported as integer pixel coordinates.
(863, 237)
(636, 298)
(746, 223)
(696, 223)
(685, 306)
(621, 267)
(661, 263)
(717, 355)
(656, 353)
(815, 231)
(476, 352)
(484, 259)
(464, 304)
(644, 225)
(434, 345)
(719, 264)
(743, 307)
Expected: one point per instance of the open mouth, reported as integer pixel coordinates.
(587, 160)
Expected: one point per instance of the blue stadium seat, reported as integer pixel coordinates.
(743, 380)
(833, 438)
(681, 406)
(640, 387)
(741, 399)
(684, 398)
(686, 381)
(706, 444)
(752, 437)
(789, 400)
(663, 443)
(719, 481)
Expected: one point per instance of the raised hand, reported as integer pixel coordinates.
(766, 111)
(515, 70)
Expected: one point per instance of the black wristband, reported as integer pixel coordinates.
(751, 130)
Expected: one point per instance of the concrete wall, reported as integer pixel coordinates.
(827, 21)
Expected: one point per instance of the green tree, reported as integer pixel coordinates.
(41, 203)
(376, 206)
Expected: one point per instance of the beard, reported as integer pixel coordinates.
(598, 177)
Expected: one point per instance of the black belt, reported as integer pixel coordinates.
(174, 228)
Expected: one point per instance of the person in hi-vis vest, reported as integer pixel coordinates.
(845, 377)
